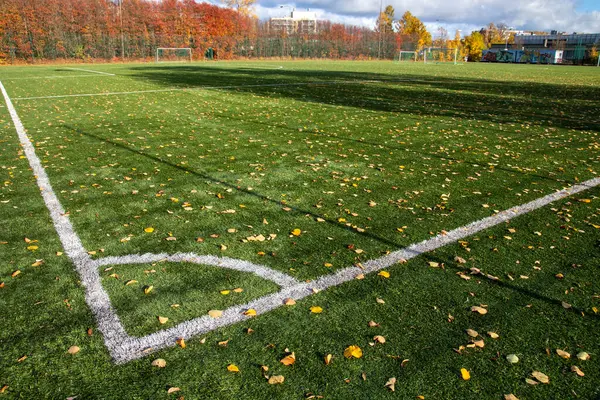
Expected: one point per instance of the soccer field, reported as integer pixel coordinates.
(220, 216)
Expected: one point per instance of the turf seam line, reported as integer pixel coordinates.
(124, 348)
(90, 70)
(190, 89)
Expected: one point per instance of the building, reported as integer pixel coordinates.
(575, 47)
(302, 22)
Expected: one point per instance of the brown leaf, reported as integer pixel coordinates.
(173, 390)
(510, 397)
(391, 384)
(159, 363)
(289, 302)
(460, 260)
(276, 380)
(73, 350)
(541, 377)
(576, 369)
(181, 342)
(379, 339)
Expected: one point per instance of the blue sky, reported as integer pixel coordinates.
(466, 15)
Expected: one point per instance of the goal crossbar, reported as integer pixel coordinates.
(447, 54)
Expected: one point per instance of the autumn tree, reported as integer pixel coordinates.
(411, 26)
(474, 45)
(242, 6)
(385, 22)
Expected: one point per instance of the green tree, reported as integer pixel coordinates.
(474, 45)
(409, 25)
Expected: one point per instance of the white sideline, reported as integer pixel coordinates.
(90, 70)
(124, 348)
(215, 88)
(49, 77)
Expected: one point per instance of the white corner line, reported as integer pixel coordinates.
(90, 70)
(124, 348)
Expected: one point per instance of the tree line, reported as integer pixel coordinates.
(38, 30)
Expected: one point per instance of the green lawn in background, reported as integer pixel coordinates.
(357, 155)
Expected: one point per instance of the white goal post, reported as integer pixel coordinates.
(440, 55)
(405, 55)
(173, 54)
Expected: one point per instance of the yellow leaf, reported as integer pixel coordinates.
(479, 310)
(238, 290)
(16, 273)
(328, 265)
(576, 369)
(434, 264)
(159, 362)
(233, 368)
(585, 200)
(289, 359)
(316, 310)
(391, 384)
(493, 335)
(384, 274)
(328, 359)
(225, 292)
(543, 378)
(563, 354)
(32, 248)
(250, 312)
(148, 289)
(465, 374)
(149, 230)
(131, 282)
(353, 351)
(276, 380)
(379, 339)
(296, 232)
(583, 356)
(73, 350)
(37, 263)
(181, 342)
(215, 313)
(162, 320)
(472, 333)
(510, 397)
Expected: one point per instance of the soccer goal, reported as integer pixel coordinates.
(406, 56)
(435, 55)
(171, 54)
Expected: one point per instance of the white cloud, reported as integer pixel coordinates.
(466, 15)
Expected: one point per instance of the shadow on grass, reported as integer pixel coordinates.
(506, 102)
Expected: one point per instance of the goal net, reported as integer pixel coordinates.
(434, 55)
(404, 56)
(172, 54)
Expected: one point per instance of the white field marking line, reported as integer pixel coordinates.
(189, 89)
(124, 348)
(50, 77)
(90, 70)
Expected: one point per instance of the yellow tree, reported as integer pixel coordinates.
(412, 26)
(242, 6)
(475, 44)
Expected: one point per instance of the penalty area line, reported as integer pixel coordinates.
(90, 70)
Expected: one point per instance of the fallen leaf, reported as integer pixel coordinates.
(223, 343)
(460, 260)
(512, 358)
(466, 375)
(479, 343)
(289, 359)
(215, 313)
(149, 230)
(73, 350)
(434, 264)
(379, 339)
(3, 388)
(181, 342)
(159, 362)
(22, 358)
(296, 232)
(373, 324)
(531, 382)
(131, 282)
(250, 312)
(316, 310)
(173, 390)
(238, 290)
(233, 368)
(380, 301)
(493, 335)
(566, 305)
(510, 397)
(543, 378)
(563, 354)
(479, 310)
(276, 380)
(162, 320)
(16, 273)
(384, 274)
(472, 333)
(353, 351)
(328, 359)
(37, 263)
(289, 302)
(391, 384)
(148, 289)
(583, 356)
(576, 369)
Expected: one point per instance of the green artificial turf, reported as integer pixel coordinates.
(374, 166)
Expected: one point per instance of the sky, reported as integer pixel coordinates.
(466, 15)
